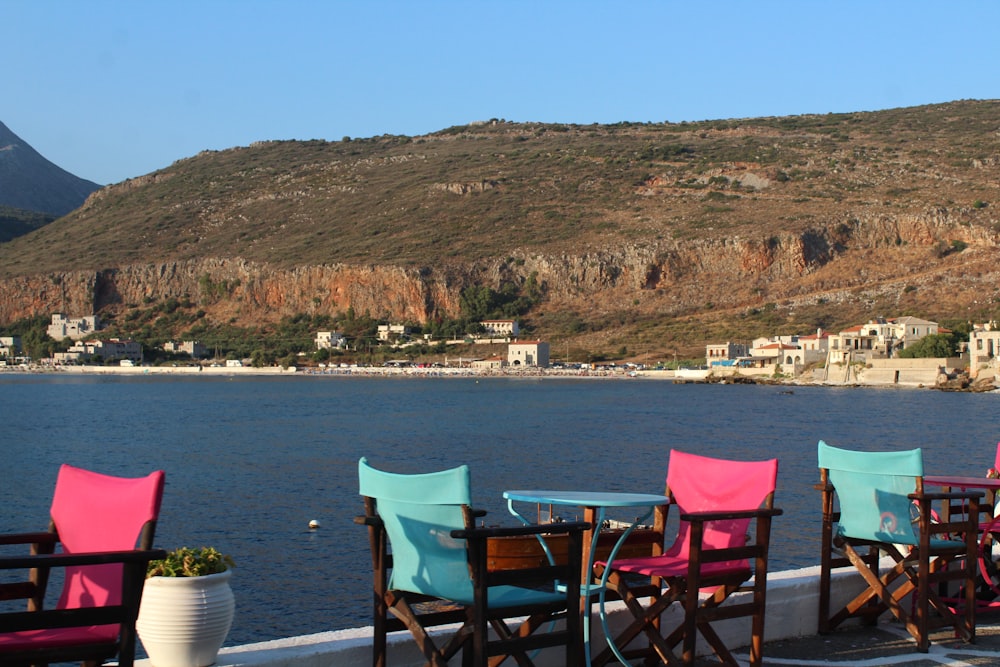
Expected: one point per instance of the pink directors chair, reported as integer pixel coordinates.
(711, 558)
(104, 529)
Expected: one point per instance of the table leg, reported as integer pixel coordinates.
(602, 588)
(595, 517)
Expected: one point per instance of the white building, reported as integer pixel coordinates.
(878, 339)
(501, 328)
(528, 353)
(787, 355)
(390, 331)
(863, 342)
(984, 347)
(10, 346)
(113, 348)
(328, 340)
(814, 346)
(72, 327)
(718, 352)
(908, 330)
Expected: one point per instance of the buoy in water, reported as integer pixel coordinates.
(314, 524)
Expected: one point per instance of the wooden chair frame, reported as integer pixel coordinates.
(698, 616)
(920, 571)
(39, 564)
(398, 610)
(686, 589)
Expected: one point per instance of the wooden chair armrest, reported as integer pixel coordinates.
(91, 558)
(42, 537)
(703, 517)
(61, 618)
(513, 531)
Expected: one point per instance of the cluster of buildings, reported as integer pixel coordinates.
(127, 351)
(526, 353)
(877, 340)
(533, 353)
(880, 338)
(520, 354)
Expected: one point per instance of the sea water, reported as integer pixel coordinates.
(251, 461)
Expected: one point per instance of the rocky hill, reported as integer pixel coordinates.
(650, 238)
(33, 184)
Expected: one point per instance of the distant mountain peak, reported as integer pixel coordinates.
(30, 182)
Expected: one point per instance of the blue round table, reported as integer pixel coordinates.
(594, 504)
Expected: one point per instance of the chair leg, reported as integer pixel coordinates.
(921, 621)
(757, 631)
(402, 610)
(690, 626)
(379, 634)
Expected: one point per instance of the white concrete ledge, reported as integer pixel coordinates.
(792, 611)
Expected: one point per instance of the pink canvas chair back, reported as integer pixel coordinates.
(996, 458)
(95, 512)
(699, 483)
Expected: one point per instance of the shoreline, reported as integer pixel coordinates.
(449, 372)
(355, 371)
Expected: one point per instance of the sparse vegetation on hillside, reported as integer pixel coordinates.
(826, 219)
(482, 190)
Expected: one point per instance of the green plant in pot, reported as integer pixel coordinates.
(187, 607)
(190, 562)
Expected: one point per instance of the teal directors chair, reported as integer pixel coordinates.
(430, 568)
(883, 509)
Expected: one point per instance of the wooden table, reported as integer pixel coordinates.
(987, 528)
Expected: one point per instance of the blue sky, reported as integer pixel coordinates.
(111, 90)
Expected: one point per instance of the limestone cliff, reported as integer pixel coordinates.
(677, 277)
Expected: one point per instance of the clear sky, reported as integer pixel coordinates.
(110, 90)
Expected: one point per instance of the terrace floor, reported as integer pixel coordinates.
(885, 644)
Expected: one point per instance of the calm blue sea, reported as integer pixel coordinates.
(250, 461)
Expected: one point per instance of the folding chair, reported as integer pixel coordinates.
(105, 528)
(708, 561)
(426, 549)
(883, 509)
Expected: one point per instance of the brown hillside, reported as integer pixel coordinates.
(652, 237)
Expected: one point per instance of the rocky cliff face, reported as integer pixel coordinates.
(675, 277)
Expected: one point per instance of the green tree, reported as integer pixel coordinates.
(260, 358)
(931, 346)
(477, 301)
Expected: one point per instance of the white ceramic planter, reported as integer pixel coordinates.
(184, 620)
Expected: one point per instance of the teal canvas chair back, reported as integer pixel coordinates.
(872, 488)
(419, 512)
